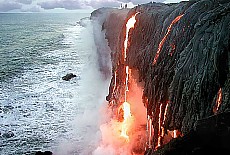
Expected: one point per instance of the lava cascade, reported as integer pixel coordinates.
(126, 106)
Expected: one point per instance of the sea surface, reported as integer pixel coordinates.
(38, 110)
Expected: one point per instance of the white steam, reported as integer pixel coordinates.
(93, 87)
(96, 128)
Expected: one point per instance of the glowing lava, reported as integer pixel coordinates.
(130, 24)
(218, 101)
(159, 128)
(165, 113)
(174, 133)
(165, 37)
(149, 128)
(126, 123)
(126, 106)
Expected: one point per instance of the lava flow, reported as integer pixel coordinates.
(165, 37)
(130, 24)
(218, 101)
(126, 106)
(159, 128)
(126, 122)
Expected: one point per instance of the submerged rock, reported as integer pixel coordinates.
(68, 76)
(8, 134)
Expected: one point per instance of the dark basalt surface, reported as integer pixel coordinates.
(209, 136)
(44, 153)
(68, 76)
(193, 64)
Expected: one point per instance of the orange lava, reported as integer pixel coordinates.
(126, 81)
(126, 106)
(130, 24)
(149, 128)
(218, 101)
(165, 37)
(127, 120)
(165, 113)
(159, 128)
(175, 133)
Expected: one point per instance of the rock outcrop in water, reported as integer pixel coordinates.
(44, 153)
(68, 76)
(181, 55)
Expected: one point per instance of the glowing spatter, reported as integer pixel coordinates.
(218, 101)
(165, 37)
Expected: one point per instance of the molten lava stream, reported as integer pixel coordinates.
(130, 24)
(218, 101)
(126, 122)
(126, 106)
(165, 37)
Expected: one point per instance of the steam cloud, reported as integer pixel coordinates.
(93, 88)
(97, 127)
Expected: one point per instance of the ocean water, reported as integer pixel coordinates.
(41, 110)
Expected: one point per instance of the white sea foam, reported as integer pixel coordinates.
(93, 88)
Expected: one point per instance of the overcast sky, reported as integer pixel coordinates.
(65, 5)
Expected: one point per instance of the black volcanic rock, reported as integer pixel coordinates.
(192, 67)
(8, 134)
(209, 136)
(68, 76)
(44, 153)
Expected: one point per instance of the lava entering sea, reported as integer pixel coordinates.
(126, 129)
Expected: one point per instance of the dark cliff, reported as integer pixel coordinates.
(181, 54)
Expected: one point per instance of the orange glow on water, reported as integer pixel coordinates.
(165, 37)
(218, 101)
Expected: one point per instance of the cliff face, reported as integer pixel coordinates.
(181, 53)
(193, 63)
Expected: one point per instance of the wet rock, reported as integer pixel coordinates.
(68, 76)
(39, 153)
(8, 134)
(44, 153)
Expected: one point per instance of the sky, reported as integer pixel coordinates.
(65, 5)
